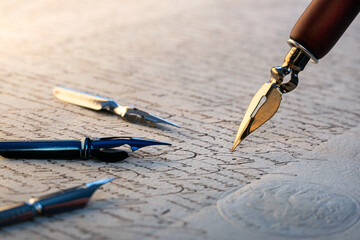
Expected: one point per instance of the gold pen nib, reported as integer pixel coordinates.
(267, 100)
(262, 107)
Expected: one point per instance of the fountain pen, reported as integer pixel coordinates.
(313, 36)
(58, 202)
(86, 148)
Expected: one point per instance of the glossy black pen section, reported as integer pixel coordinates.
(58, 202)
(103, 149)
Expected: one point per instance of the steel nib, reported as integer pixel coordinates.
(100, 182)
(94, 102)
(262, 107)
(148, 116)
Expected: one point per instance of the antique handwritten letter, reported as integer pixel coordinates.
(195, 63)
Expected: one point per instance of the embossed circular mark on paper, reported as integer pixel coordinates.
(297, 209)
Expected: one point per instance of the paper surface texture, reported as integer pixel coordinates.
(198, 64)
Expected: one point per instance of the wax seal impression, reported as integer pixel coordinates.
(293, 209)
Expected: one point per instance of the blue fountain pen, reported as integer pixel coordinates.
(86, 148)
(58, 202)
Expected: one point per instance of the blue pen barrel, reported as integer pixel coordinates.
(41, 149)
(16, 213)
(103, 149)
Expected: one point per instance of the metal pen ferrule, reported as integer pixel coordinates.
(294, 62)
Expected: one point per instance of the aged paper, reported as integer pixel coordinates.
(196, 63)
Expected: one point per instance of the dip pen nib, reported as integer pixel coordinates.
(267, 100)
(262, 107)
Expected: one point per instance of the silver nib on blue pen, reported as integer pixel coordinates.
(99, 182)
(100, 103)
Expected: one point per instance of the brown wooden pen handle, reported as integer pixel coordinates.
(323, 23)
